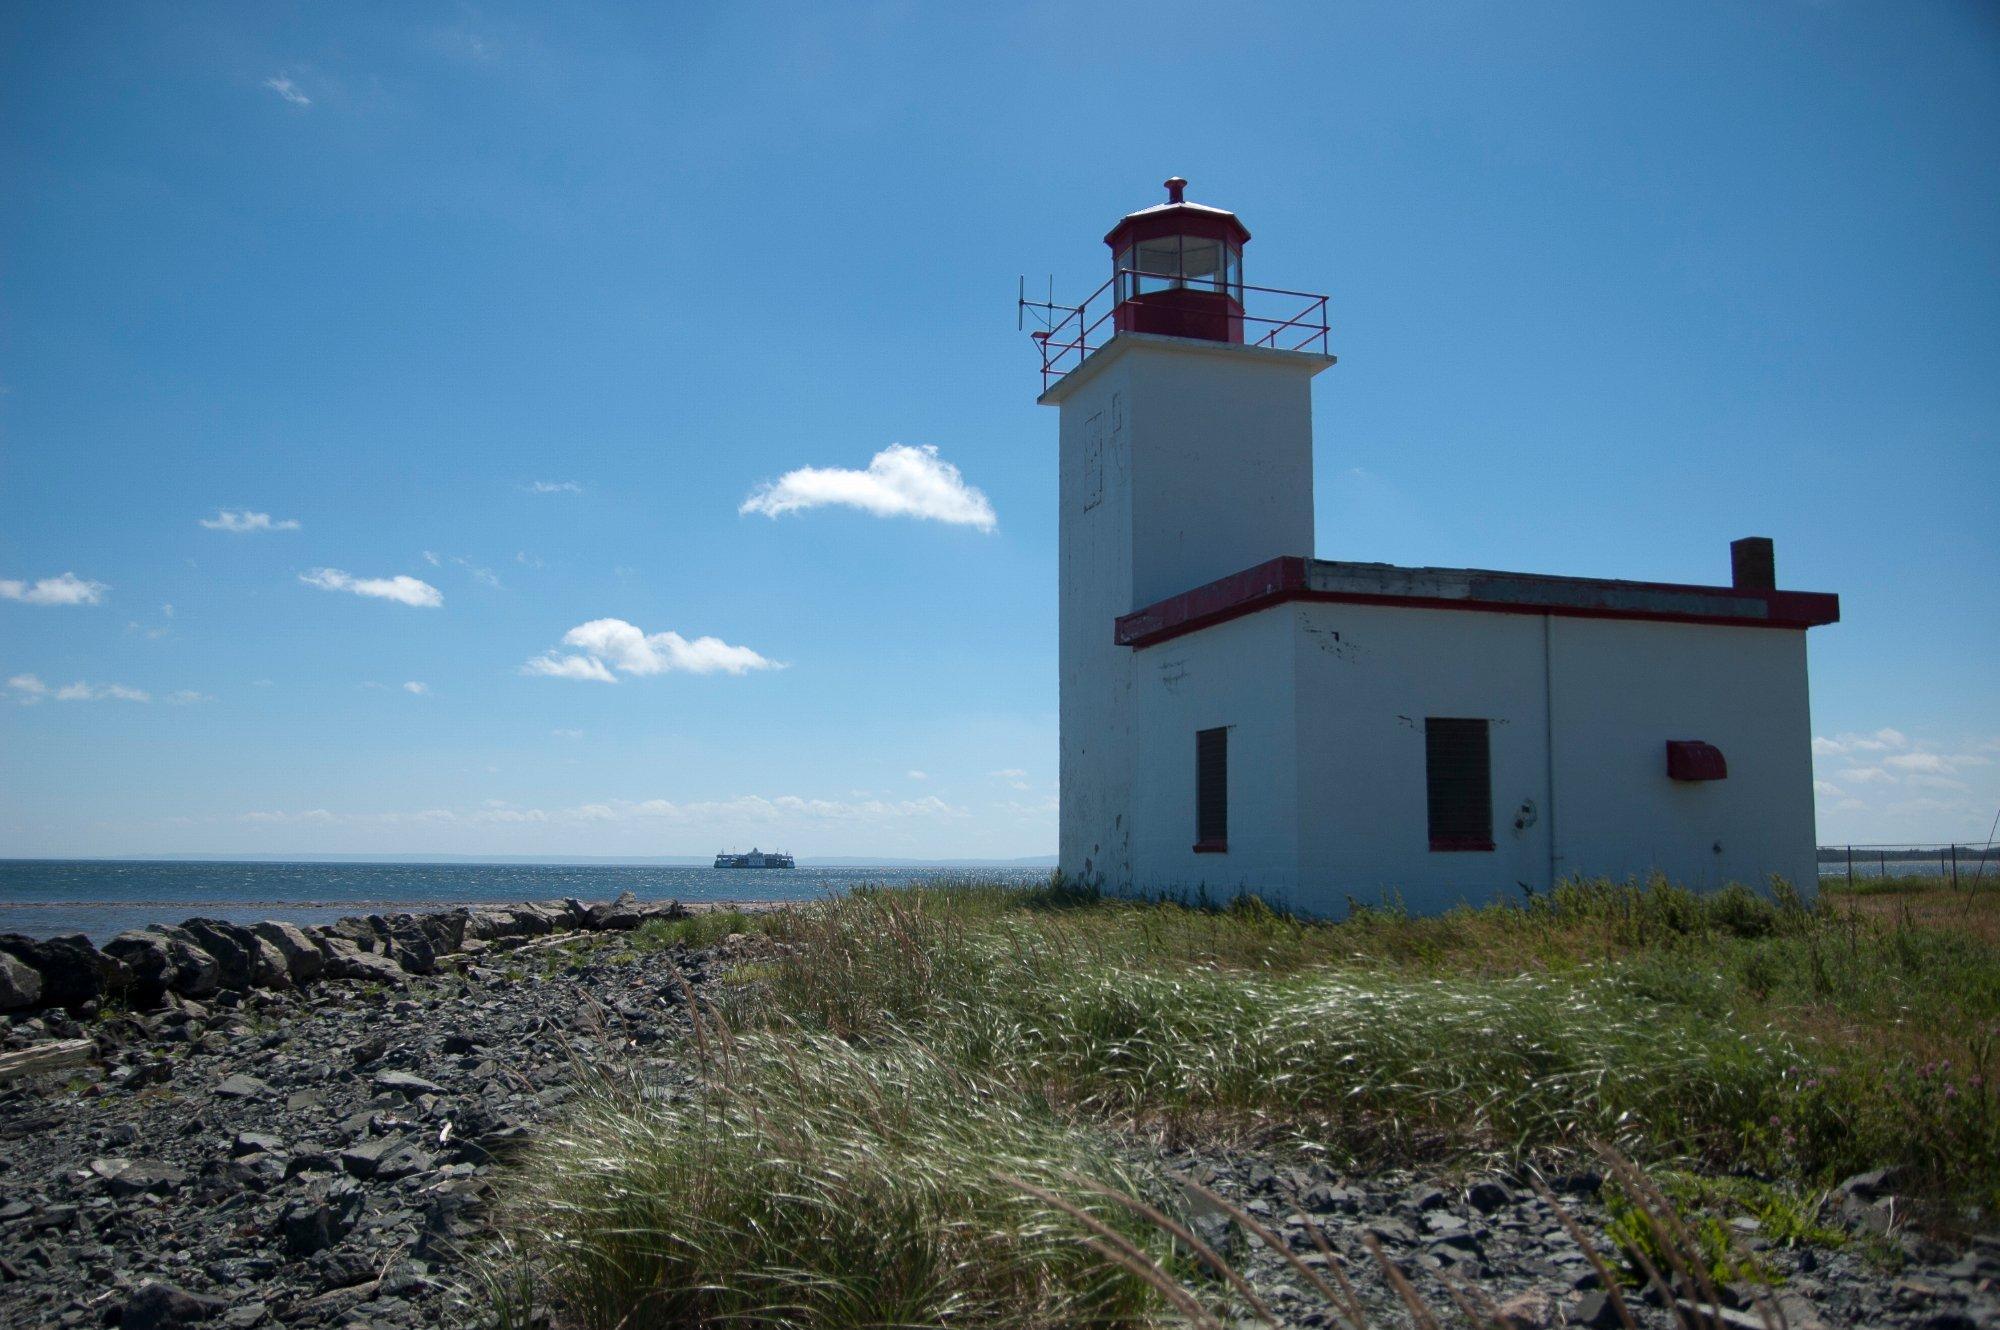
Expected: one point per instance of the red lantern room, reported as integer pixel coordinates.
(1177, 269)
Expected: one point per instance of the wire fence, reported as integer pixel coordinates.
(1959, 864)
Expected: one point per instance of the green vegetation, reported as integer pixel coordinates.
(817, 1184)
(889, 1054)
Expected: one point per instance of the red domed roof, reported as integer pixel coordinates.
(1177, 217)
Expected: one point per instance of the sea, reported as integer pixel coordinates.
(103, 897)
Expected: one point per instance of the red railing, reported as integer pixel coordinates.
(1282, 320)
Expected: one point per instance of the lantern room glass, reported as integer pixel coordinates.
(1180, 262)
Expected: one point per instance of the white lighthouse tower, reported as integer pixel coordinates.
(1186, 455)
(1240, 715)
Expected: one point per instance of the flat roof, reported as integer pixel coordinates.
(1291, 578)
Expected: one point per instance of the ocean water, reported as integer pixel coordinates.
(103, 897)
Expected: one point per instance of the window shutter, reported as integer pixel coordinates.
(1459, 778)
(1211, 790)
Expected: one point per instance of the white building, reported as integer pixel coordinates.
(1238, 715)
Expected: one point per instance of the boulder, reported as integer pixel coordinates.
(345, 960)
(410, 947)
(445, 930)
(20, 984)
(72, 971)
(234, 949)
(485, 925)
(272, 969)
(619, 915)
(162, 960)
(364, 934)
(303, 960)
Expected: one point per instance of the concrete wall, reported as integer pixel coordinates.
(1180, 462)
(1094, 537)
(1368, 676)
(1621, 690)
(1240, 675)
(1326, 704)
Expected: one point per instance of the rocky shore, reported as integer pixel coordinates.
(208, 1124)
(240, 1127)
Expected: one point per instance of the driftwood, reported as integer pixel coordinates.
(51, 1056)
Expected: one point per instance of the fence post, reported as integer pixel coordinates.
(1882, 863)
(1850, 865)
(1954, 865)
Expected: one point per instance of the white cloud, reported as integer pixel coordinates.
(1882, 740)
(187, 697)
(29, 689)
(1886, 785)
(1014, 776)
(567, 734)
(229, 519)
(900, 481)
(553, 487)
(289, 90)
(432, 559)
(403, 589)
(551, 666)
(63, 589)
(413, 686)
(167, 609)
(609, 644)
(917, 775)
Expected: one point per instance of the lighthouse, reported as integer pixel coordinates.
(1237, 714)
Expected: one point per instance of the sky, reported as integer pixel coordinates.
(604, 430)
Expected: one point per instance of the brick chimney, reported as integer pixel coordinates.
(1753, 564)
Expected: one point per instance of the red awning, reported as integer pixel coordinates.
(1691, 759)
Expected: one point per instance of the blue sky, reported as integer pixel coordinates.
(523, 305)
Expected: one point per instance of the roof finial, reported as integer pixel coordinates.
(1174, 187)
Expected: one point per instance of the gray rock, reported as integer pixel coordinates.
(309, 1225)
(146, 1177)
(1596, 1311)
(303, 960)
(240, 1086)
(72, 971)
(162, 960)
(406, 1083)
(621, 914)
(272, 969)
(345, 960)
(1486, 1196)
(162, 1306)
(254, 1142)
(234, 949)
(363, 1160)
(20, 985)
(412, 948)
(1872, 1185)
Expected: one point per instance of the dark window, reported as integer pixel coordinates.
(1458, 771)
(1211, 791)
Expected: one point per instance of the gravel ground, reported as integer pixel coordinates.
(324, 1156)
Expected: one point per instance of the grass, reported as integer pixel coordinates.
(891, 1053)
(816, 1184)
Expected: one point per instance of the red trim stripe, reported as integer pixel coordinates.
(1285, 579)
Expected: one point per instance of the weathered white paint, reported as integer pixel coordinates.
(1183, 462)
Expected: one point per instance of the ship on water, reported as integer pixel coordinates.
(755, 859)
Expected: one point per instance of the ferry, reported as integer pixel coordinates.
(755, 859)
